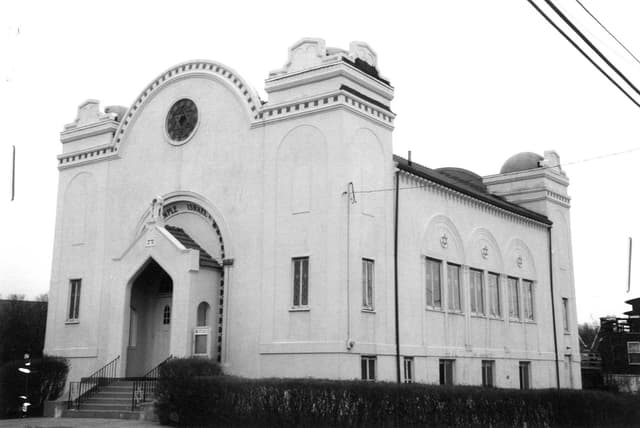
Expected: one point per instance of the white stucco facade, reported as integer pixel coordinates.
(268, 211)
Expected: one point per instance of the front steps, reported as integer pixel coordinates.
(112, 401)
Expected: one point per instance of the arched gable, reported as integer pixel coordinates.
(483, 251)
(442, 240)
(197, 68)
(519, 260)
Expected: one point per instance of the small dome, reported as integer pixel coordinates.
(464, 176)
(521, 162)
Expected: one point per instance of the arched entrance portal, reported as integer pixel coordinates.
(150, 320)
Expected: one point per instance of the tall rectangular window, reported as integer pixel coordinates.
(477, 291)
(74, 300)
(633, 349)
(565, 313)
(434, 299)
(368, 367)
(525, 374)
(453, 287)
(446, 372)
(527, 291)
(514, 298)
(494, 295)
(367, 283)
(300, 281)
(408, 369)
(488, 370)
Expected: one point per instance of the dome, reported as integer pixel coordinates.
(464, 176)
(521, 162)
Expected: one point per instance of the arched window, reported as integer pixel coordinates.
(166, 315)
(203, 314)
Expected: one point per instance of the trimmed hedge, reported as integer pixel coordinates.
(235, 402)
(46, 382)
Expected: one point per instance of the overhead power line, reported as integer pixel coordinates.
(575, 45)
(607, 30)
(591, 45)
(458, 181)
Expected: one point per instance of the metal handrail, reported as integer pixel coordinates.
(146, 385)
(88, 386)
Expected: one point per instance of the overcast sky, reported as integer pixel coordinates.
(475, 82)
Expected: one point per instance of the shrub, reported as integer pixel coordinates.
(45, 382)
(177, 387)
(235, 402)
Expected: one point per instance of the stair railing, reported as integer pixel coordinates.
(88, 386)
(145, 386)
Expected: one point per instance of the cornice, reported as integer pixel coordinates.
(90, 130)
(428, 185)
(330, 100)
(512, 177)
(82, 157)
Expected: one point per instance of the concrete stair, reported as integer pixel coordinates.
(112, 401)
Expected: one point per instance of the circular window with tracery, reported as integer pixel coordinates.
(182, 120)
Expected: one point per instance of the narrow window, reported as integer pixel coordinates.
(477, 291)
(488, 370)
(367, 283)
(434, 299)
(300, 281)
(368, 367)
(565, 313)
(633, 348)
(166, 315)
(494, 295)
(453, 286)
(203, 314)
(525, 374)
(514, 298)
(408, 369)
(446, 372)
(74, 300)
(528, 299)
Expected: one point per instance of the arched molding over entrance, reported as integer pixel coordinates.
(202, 207)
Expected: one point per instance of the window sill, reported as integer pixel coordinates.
(567, 333)
(478, 315)
(368, 310)
(434, 309)
(530, 322)
(495, 318)
(515, 320)
(300, 309)
(455, 312)
(71, 322)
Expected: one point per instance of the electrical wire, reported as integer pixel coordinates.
(575, 45)
(591, 45)
(541, 168)
(607, 30)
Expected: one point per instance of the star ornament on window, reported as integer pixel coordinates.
(444, 241)
(484, 252)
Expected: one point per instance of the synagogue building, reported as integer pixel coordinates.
(283, 237)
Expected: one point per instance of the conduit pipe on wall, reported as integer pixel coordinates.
(395, 275)
(349, 193)
(553, 308)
